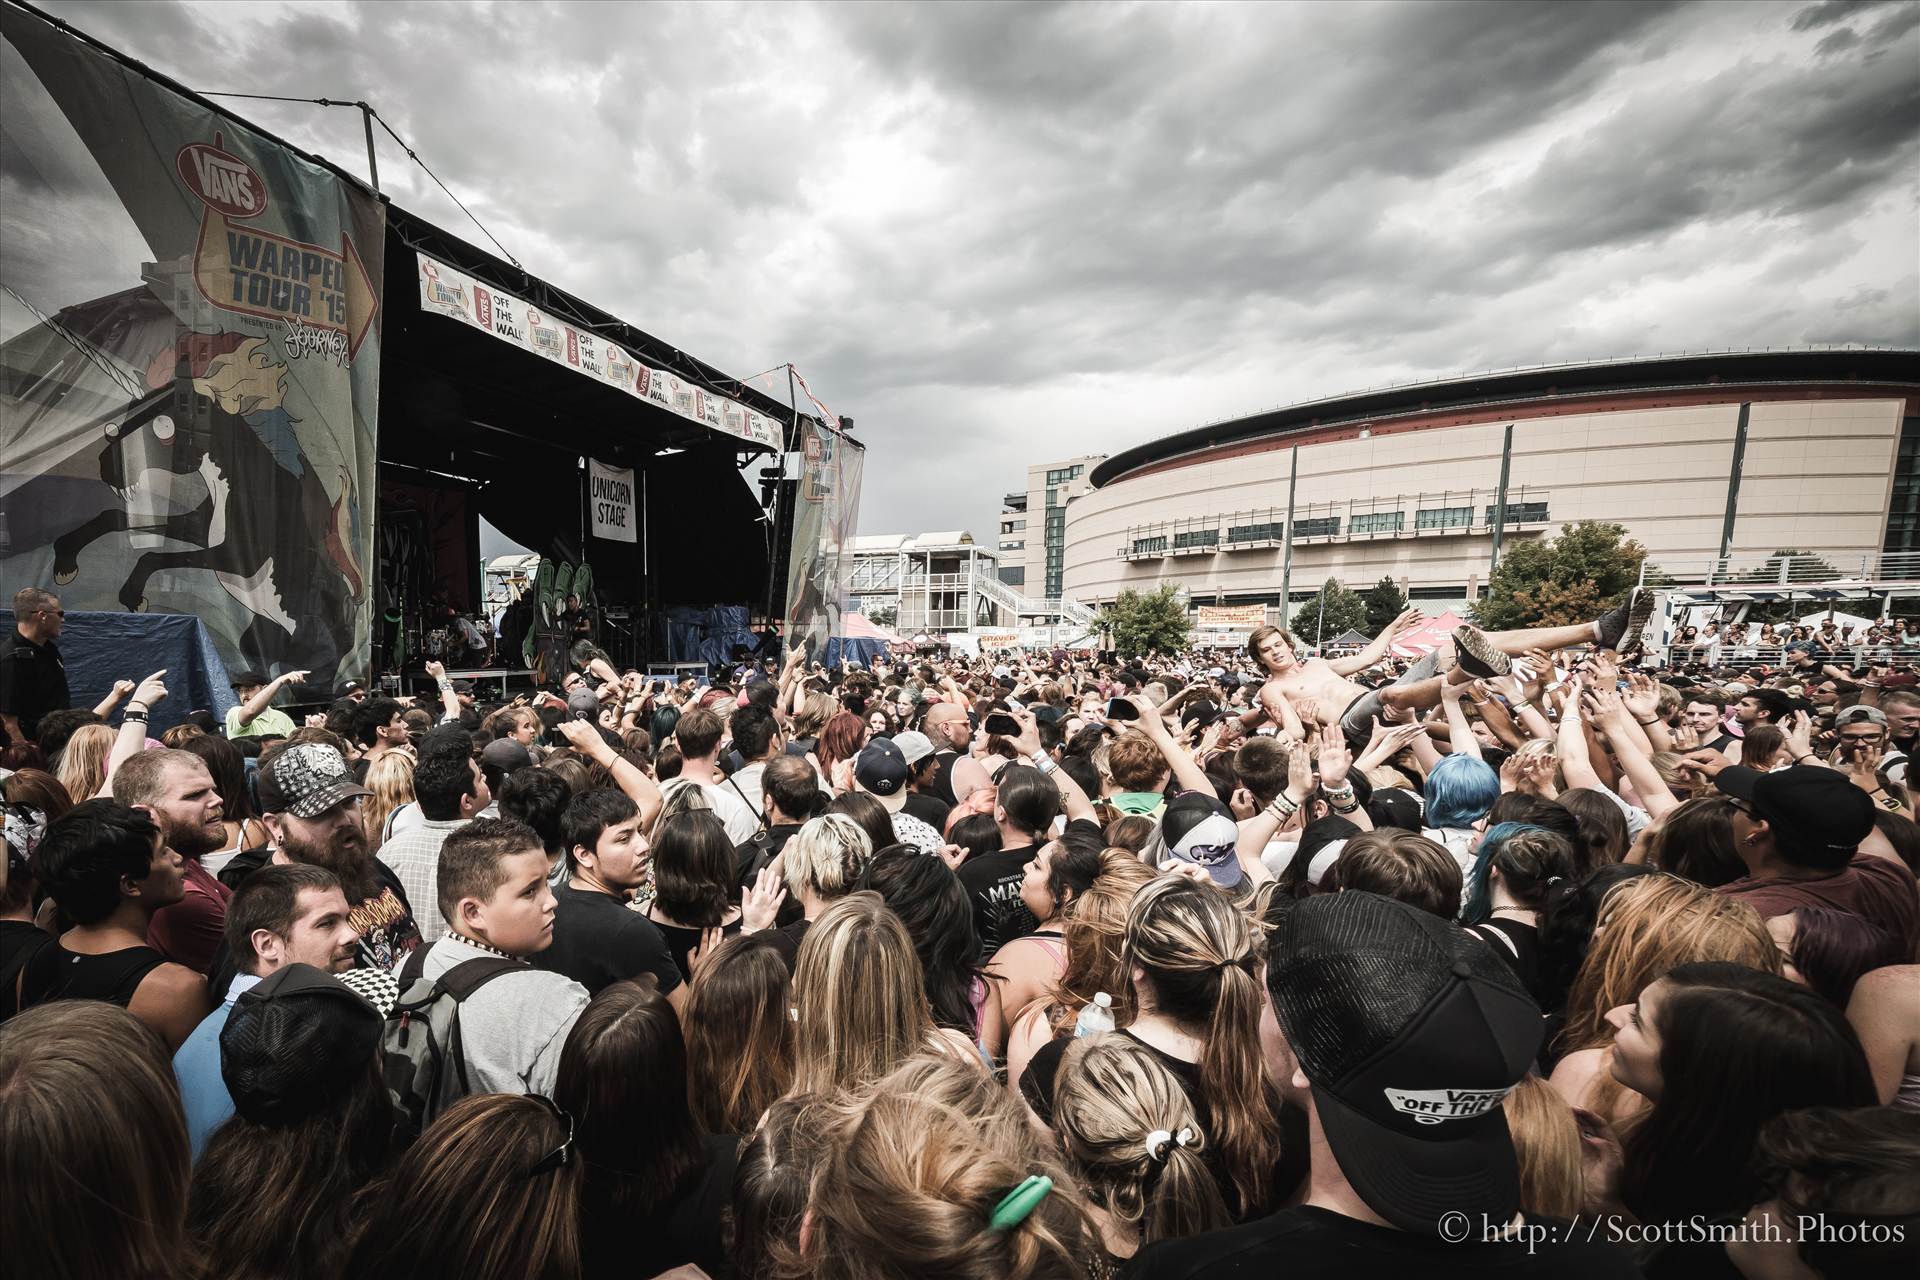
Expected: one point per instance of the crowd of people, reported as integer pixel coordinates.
(1527, 957)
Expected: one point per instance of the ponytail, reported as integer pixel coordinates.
(1245, 1111)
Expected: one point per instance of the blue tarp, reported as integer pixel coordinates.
(707, 635)
(845, 651)
(100, 648)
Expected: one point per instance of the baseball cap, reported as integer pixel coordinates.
(505, 755)
(1860, 713)
(881, 771)
(1817, 816)
(1411, 1033)
(584, 704)
(306, 780)
(348, 689)
(914, 746)
(246, 678)
(294, 1044)
(1201, 832)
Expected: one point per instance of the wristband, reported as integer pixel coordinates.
(133, 717)
(1043, 762)
(1645, 724)
(1344, 789)
(137, 706)
(1350, 805)
(1523, 704)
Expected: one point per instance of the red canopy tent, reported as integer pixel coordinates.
(857, 626)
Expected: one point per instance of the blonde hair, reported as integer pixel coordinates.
(1196, 951)
(1092, 932)
(826, 855)
(860, 999)
(1648, 927)
(1129, 1133)
(179, 734)
(82, 768)
(390, 779)
(913, 1169)
(815, 710)
(1546, 1141)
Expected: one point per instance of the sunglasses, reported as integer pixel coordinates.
(564, 1152)
(1744, 807)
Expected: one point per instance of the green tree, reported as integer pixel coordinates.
(1574, 577)
(1332, 610)
(1385, 601)
(1806, 568)
(1145, 621)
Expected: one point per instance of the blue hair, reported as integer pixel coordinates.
(1479, 902)
(1460, 791)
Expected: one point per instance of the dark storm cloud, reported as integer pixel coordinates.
(1000, 233)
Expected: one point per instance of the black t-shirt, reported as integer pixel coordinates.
(1517, 943)
(943, 775)
(597, 942)
(929, 808)
(1308, 1241)
(1720, 743)
(786, 939)
(992, 881)
(1043, 1072)
(681, 942)
(20, 942)
(33, 680)
(388, 932)
(687, 1229)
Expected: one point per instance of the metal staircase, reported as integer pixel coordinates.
(1070, 612)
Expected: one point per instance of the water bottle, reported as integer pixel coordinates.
(1096, 1017)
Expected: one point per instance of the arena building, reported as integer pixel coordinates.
(1700, 456)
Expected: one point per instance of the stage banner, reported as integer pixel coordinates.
(190, 337)
(1238, 615)
(826, 513)
(450, 292)
(610, 498)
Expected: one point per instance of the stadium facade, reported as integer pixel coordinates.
(1699, 456)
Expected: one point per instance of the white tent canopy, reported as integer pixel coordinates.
(1841, 620)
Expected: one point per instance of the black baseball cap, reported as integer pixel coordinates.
(1411, 1032)
(306, 780)
(295, 1043)
(1817, 816)
(881, 768)
(1200, 831)
(246, 678)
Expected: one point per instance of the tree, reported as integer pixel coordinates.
(1574, 577)
(885, 616)
(1806, 567)
(1385, 601)
(1144, 621)
(1332, 610)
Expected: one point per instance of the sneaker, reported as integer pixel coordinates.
(1478, 657)
(1621, 628)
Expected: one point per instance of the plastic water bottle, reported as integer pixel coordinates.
(1096, 1017)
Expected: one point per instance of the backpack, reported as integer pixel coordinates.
(425, 1067)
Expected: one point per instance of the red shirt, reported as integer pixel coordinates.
(1873, 888)
(189, 931)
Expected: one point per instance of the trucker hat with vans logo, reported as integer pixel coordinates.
(1411, 1032)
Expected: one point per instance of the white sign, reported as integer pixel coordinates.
(452, 293)
(610, 495)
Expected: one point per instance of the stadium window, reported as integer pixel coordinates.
(1146, 546)
(1443, 518)
(1521, 513)
(1268, 532)
(1197, 538)
(1317, 527)
(1378, 522)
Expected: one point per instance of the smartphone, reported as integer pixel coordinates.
(1003, 724)
(1121, 709)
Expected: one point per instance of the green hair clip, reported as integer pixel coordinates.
(1015, 1207)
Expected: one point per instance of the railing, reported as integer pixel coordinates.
(1023, 606)
(1426, 515)
(1771, 572)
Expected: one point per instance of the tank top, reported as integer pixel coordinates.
(59, 974)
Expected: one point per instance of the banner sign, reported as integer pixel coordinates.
(189, 320)
(446, 291)
(823, 523)
(1238, 615)
(610, 496)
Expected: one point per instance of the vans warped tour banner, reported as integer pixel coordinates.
(826, 512)
(189, 358)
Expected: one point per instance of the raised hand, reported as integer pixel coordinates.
(150, 691)
(1409, 619)
(436, 669)
(1299, 772)
(1336, 758)
(1243, 804)
(1642, 697)
(760, 901)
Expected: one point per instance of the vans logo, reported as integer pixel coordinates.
(223, 182)
(1431, 1106)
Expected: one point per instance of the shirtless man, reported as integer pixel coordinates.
(1323, 682)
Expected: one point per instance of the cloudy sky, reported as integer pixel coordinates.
(1000, 234)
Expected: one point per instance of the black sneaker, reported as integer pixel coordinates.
(1478, 657)
(1621, 627)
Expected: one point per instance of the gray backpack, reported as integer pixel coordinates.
(425, 1068)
